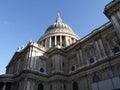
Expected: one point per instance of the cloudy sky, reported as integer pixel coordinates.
(24, 20)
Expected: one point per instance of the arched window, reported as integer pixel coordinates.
(115, 49)
(113, 42)
(72, 68)
(75, 86)
(41, 70)
(91, 60)
(40, 86)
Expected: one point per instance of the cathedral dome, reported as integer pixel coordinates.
(59, 27)
(58, 33)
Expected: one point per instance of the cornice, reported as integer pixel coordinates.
(112, 7)
(56, 50)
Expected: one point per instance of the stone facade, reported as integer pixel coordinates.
(62, 61)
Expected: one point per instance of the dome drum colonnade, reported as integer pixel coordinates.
(58, 34)
(60, 40)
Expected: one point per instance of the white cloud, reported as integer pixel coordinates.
(4, 22)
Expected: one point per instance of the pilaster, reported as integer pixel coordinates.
(102, 48)
(116, 25)
(55, 40)
(66, 41)
(98, 52)
(50, 42)
(46, 42)
(81, 57)
(60, 40)
(78, 58)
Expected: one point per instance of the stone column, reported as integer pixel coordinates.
(61, 41)
(116, 25)
(81, 57)
(4, 86)
(57, 63)
(35, 58)
(55, 40)
(78, 58)
(32, 59)
(29, 58)
(42, 43)
(26, 60)
(46, 42)
(50, 42)
(70, 40)
(61, 63)
(28, 85)
(118, 14)
(25, 84)
(83, 54)
(98, 50)
(66, 41)
(53, 64)
(74, 40)
(102, 48)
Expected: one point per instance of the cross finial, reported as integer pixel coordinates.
(58, 19)
(58, 14)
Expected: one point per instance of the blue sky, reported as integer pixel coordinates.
(24, 20)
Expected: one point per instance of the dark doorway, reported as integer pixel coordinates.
(75, 86)
(40, 86)
(1, 86)
(8, 86)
